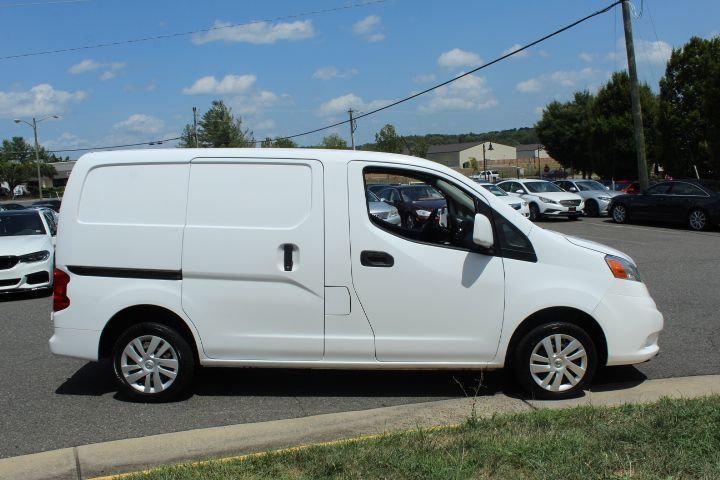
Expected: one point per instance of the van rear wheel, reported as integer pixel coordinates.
(152, 362)
(555, 360)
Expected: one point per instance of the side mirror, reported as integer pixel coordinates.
(482, 231)
(573, 189)
(519, 191)
(607, 188)
(383, 199)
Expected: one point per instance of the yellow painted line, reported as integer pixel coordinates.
(249, 456)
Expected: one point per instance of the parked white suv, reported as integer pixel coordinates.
(172, 275)
(545, 199)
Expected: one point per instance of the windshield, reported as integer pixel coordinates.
(542, 187)
(371, 197)
(495, 190)
(17, 225)
(588, 185)
(420, 192)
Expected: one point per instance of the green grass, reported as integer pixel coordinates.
(667, 439)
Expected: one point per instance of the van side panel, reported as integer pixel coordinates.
(127, 216)
(248, 297)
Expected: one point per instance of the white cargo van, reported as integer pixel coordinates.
(270, 258)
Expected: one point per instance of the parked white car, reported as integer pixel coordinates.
(173, 276)
(596, 195)
(516, 203)
(26, 250)
(545, 199)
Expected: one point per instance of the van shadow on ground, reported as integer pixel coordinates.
(95, 379)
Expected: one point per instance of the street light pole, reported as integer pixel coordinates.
(33, 125)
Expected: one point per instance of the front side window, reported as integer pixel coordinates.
(589, 185)
(494, 190)
(14, 225)
(659, 189)
(50, 220)
(542, 187)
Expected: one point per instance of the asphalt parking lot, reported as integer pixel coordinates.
(48, 402)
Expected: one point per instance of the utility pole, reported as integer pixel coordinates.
(635, 97)
(353, 126)
(34, 126)
(195, 126)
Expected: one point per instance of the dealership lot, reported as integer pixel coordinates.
(48, 402)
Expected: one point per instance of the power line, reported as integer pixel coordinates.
(397, 102)
(34, 4)
(154, 142)
(192, 32)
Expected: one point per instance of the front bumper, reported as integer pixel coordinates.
(631, 323)
(25, 277)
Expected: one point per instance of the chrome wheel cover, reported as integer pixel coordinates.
(698, 220)
(558, 362)
(619, 214)
(149, 364)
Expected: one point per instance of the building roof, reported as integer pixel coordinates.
(452, 147)
(529, 147)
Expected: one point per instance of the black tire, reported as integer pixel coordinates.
(592, 208)
(524, 350)
(697, 220)
(183, 355)
(535, 214)
(619, 213)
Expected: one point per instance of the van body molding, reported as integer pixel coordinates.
(152, 274)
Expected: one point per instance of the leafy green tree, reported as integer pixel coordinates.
(612, 129)
(689, 117)
(334, 141)
(565, 132)
(419, 147)
(17, 162)
(279, 143)
(387, 140)
(218, 128)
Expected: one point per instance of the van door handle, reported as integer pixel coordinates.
(371, 258)
(287, 257)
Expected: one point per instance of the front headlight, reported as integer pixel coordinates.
(622, 268)
(35, 257)
(422, 213)
(604, 199)
(547, 200)
(393, 212)
(524, 203)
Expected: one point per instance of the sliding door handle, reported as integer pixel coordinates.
(288, 257)
(371, 258)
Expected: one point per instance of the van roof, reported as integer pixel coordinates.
(182, 155)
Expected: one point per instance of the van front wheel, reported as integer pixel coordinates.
(555, 360)
(152, 362)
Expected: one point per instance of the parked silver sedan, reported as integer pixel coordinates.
(381, 210)
(596, 195)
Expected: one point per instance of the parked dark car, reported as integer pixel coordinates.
(10, 206)
(416, 203)
(695, 203)
(54, 204)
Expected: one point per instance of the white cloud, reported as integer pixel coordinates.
(264, 125)
(587, 57)
(369, 29)
(585, 78)
(532, 85)
(140, 123)
(66, 140)
(330, 72)
(543, 54)
(523, 54)
(41, 99)
(424, 78)
(468, 93)
(256, 33)
(459, 58)
(229, 84)
(653, 53)
(86, 65)
(256, 102)
(343, 103)
(108, 75)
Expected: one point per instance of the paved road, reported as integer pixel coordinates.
(48, 402)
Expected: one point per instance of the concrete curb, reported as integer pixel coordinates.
(140, 453)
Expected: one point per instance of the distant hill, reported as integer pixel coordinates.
(513, 137)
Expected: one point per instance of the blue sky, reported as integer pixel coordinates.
(295, 74)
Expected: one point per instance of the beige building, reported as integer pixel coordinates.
(459, 155)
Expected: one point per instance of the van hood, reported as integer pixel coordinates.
(595, 246)
(24, 244)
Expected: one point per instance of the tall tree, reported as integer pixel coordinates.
(334, 141)
(613, 141)
(17, 162)
(279, 143)
(387, 140)
(565, 132)
(218, 128)
(689, 118)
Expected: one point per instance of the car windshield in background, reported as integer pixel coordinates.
(542, 187)
(421, 192)
(495, 190)
(371, 197)
(589, 185)
(13, 225)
